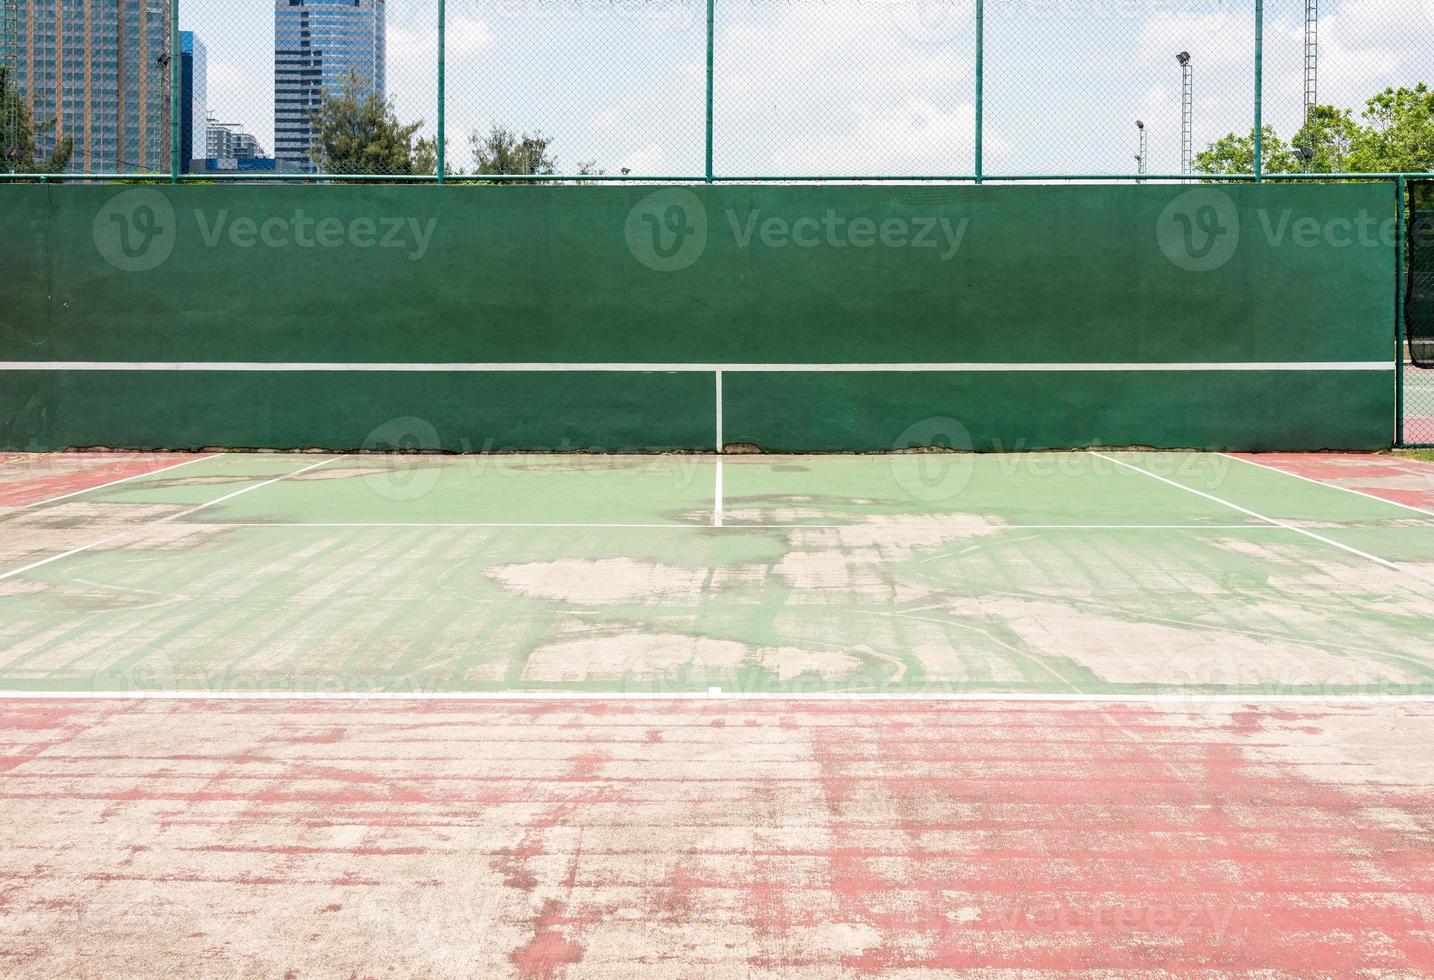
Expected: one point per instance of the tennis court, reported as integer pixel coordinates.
(1092, 572)
(542, 715)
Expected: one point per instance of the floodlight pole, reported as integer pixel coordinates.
(1140, 157)
(1187, 112)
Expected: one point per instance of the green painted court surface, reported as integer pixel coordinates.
(1052, 573)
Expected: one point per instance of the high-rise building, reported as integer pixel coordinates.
(229, 141)
(193, 99)
(100, 70)
(317, 44)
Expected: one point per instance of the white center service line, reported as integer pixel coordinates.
(1251, 513)
(163, 520)
(1328, 486)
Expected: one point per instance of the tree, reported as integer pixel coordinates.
(504, 152)
(425, 157)
(17, 135)
(356, 132)
(1399, 132)
(1329, 135)
(1396, 136)
(1232, 154)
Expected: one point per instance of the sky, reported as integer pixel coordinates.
(846, 87)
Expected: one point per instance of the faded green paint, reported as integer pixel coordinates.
(1047, 572)
(788, 274)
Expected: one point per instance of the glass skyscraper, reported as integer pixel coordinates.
(100, 70)
(316, 44)
(193, 99)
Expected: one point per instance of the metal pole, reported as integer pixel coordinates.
(980, 83)
(710, 4)
(1259, 89)
(442, 66)
(174, 91)
(1399, 285)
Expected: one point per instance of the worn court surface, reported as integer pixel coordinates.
(621, 839)
(1050, 572)
(571, 819)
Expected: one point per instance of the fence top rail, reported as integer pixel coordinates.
(46, 178)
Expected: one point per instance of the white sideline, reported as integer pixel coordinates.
(1329, 486)
(1246, 510)
(601, 366)
(162, 520)
(915, 523)
(113, 483)
(1194, 700)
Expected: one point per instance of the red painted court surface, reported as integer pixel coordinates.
(28, 480)
(713, 838)
(1102, 712)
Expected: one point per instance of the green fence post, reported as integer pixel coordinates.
(174, 58)
(1259, 89)
(1400, 229)
(980, 80)
(442, 67)
(710, 4)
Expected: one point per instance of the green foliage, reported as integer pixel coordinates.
(1330, 137)
(17, 135)
(1233, 154)
(425, 157)
(356, 132)
(1395, 136)
(1398, 134)
(503, 151)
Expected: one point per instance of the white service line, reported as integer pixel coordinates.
(163, 520)
(749, 527)
(1193, 701)
(113, 483)
(1246, 510)
(1329, 486)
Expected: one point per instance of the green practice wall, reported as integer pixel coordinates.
(318, 277)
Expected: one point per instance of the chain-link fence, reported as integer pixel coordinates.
(1417, 357)
(726, 90)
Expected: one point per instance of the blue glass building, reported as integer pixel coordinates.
(316, 44)
(193, 100)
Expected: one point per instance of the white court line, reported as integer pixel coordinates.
(599, 366)
(163, 520)
(1193, 700)
(918, 523)
(113, 483)
(1246, 510)
(717, 496)
(1328, 486)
